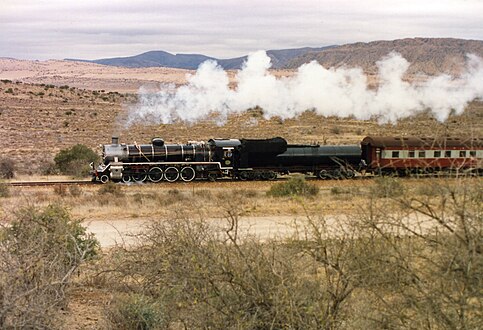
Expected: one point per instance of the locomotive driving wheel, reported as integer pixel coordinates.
(139, 176)
(155, 174)
(171, 174)
(187, 174)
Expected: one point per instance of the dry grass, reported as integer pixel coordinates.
(207, 200)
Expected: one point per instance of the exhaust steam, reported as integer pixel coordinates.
(339, 92)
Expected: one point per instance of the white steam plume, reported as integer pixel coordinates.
(339, 92)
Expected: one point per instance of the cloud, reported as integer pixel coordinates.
(95, 29)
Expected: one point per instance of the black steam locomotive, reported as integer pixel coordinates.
(243, 159)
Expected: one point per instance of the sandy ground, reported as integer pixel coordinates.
(98, 77)
(112, 232)
(123, 232)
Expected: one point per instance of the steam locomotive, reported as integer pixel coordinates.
(265, 159)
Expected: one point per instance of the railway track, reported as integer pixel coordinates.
(49, 183)
(201, 182)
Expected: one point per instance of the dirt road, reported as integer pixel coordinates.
(110, 232)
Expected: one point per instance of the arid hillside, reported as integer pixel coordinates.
(87, 75)
(427, 55)
(96, 76)
(37, 120)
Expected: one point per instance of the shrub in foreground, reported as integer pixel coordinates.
(135, 311)
(39, 252)
(371, 270)
(295, 186)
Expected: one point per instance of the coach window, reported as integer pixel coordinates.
(447, 153)
(462, 153)
(421, 154)
(437, 154)
(395, 154)
(472, 153)
(411, 154)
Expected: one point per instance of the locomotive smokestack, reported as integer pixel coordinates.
(115, 140)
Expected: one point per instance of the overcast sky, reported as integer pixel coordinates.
(91, 29)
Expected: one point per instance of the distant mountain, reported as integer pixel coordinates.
(426, 55)
(280, 58)
(154, 59)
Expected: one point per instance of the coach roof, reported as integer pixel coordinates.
(411, 141)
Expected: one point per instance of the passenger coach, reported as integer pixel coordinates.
(406, 155)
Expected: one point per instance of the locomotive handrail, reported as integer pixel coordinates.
(140, 151)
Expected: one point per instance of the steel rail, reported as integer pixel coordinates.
(48, 183)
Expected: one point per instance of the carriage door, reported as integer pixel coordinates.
(378, 156)
(227, 159)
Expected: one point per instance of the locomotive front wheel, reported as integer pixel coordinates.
(126, 178)
(155, 174)
(187, 174)
(104, 178)
(171, 174)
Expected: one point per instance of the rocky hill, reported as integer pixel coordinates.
(426, 55)
(280, 58)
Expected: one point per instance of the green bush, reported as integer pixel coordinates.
(75, 160)
(7, 168)
(4, 190)
(135, 311)
(295, 186)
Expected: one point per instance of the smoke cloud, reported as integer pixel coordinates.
(339, 92)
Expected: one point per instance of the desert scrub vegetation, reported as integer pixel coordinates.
(4, 190)
(412, 261)
(7, 168)
(387, 187)
(295, 186)
(111, 188)
(40, 251)
(75, 160)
